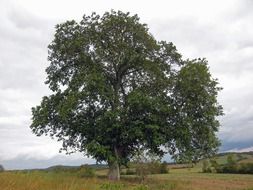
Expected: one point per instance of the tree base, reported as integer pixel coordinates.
(113, 173)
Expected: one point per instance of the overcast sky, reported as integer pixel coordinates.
(221, 31)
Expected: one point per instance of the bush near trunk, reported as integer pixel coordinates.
(87, 171)
(141, 169)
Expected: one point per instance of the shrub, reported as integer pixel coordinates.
(130, 171)
(215, 167)
(240, 157)
(87, 171)
(230, 166)
(205, 167)
(233, 167)
(141, 187)
(112, 186)
(154, 167)
(245, 168)
(122, 172)
(148, 163)
(142, 170)
(231, 160)
(163, 168)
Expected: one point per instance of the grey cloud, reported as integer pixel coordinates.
(22, 150)
(18, 143)
(3, 111)
(24, 38)
(227, 45)
(25, 20)
(22, 162)
(188, 33)
(238, 145)
(237, 124)
(244, 9)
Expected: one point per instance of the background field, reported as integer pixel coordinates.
(181, 177)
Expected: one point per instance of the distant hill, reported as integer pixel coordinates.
(221, 158)
(1, 168)
(240, 157)
(62, 167)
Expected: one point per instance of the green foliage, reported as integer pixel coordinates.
(232, 165)
(245, 168)
(167, 186)
(195, 93)
(164, 168)
(143, 162)
(142, 170)
(178, 180)
(130, 171)
(147, 163)
(112, 186)
(141, 187)
(242, 168)
(231, 160)
(215, 167)
(115, 88)
(240, 157)
(205, 167)
(87, 171)
(156, 167)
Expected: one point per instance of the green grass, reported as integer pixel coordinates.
(177, 179)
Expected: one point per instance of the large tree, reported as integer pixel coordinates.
(116, 89)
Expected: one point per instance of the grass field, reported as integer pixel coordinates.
(177, 179)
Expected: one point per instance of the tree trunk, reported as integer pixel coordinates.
(113, 173)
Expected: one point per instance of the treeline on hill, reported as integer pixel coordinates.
(1, 168)
(138, 167)
(82, 171)
(75, 168)
(231, 166)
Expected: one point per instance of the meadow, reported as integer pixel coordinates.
(180, 177)
(177, 179)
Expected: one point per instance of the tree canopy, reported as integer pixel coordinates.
(115, 88)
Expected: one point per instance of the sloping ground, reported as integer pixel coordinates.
(192, 180)
(245, 157)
